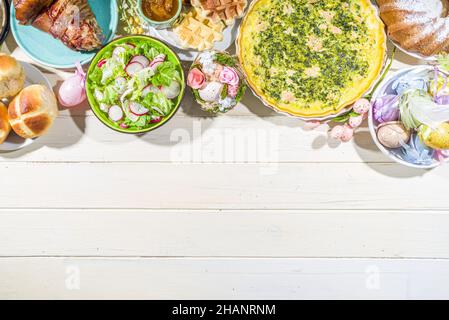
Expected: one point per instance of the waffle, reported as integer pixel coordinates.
(198, 33)
(221, 10)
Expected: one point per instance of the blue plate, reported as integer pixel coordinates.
(43, 48)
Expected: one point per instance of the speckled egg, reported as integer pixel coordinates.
(435, 138)
(393, 134)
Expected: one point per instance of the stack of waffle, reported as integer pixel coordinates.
(221, 10)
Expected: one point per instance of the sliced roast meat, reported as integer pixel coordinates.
(28, 10)
(72, 22)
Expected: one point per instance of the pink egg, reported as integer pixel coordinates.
(355, 121)
(348, 134)
(337, 132)
(362, 106)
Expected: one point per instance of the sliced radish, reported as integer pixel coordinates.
(158, 60)
(101, 63)
(133, 68)
(155, 65)
(118, 51)
(172, 91)
(149, 88)
(138, 109)
(115, 113)
(156, 120)
(131, 116)
(123, 126)
(142, 60)
(130, 45)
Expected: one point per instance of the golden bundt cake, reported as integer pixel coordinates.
(420, 26)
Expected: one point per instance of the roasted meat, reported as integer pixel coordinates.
(70, 21)
(28, 10)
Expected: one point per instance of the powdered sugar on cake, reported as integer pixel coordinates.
(417, 25)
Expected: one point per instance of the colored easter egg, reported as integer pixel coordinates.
(393, 134)
(437, 138)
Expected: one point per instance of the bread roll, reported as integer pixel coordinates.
(33, 111)
(5, 128)
(12, 76)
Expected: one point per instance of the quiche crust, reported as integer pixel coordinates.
(302, 76)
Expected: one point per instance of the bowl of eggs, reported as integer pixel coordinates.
(409, 118)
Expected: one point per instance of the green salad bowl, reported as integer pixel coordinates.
(94, 104)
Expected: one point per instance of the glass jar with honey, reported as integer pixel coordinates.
(160, 14)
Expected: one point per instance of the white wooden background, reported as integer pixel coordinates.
(179, 213)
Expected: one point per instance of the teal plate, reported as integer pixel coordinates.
(44, 49)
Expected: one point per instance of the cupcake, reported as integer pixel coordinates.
(216, 81)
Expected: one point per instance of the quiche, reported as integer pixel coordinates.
(311, 58)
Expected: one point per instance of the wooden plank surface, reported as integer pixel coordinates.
(226, 139)
(221, 186)
(244, 205)
(181, 278)
(237, 233)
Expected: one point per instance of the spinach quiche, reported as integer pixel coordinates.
(311, 58)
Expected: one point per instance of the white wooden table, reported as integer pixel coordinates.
(246, 205)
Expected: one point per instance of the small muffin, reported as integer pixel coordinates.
(12, 76)
(5, 127)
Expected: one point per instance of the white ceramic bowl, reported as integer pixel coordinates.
(383, 89)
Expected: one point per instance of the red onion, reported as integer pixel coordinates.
(73, 90)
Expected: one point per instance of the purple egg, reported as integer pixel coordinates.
(386, 109)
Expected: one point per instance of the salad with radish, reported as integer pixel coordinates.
(135, 84)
